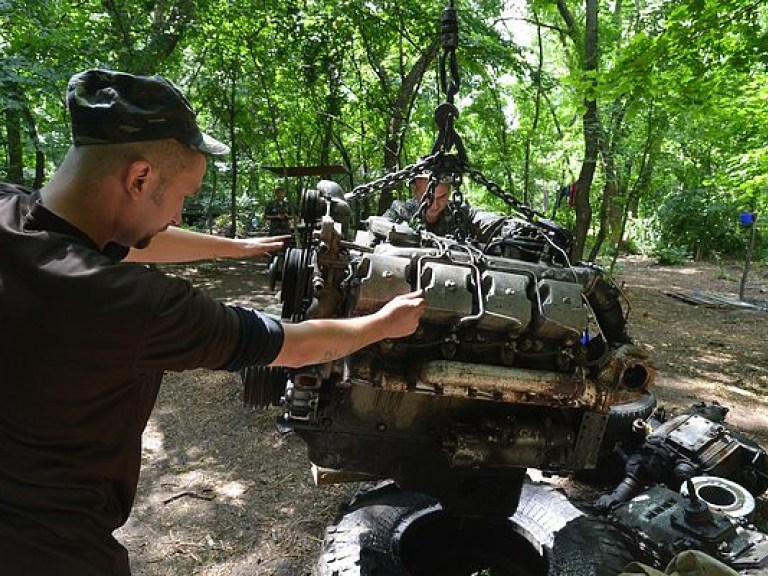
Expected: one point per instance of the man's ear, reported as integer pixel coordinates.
(136, 177)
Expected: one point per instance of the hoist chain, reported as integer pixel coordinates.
(392, 179)
(440, 162)
(498, 191)
(449, 37)
(450, 81)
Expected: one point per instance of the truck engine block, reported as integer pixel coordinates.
(515, 364)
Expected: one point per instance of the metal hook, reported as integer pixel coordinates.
(449, 25)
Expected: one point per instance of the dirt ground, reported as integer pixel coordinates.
(224, 493)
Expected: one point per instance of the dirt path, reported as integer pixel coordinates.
(223, 493)
(701, 352)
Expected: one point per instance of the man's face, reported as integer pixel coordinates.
(439, 202)
(165, 198)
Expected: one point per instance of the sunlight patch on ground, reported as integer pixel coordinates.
(202, 484)
(688, 271)
(737, 391)
(699, 389)
(715, 359)
(233, 490)
(715, 376)
(152, 442)
(750, 414)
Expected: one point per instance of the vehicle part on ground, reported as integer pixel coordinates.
(263, 385)
(693, 443)
(620, 437)
(723, 496)
(391, 532)
(511, 366)
(659, 523)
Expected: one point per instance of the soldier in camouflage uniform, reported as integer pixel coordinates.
(438, 220)
(278, 213)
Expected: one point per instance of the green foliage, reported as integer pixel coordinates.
(681, 87)
(643, 235)
(702, 222)
(671, 255)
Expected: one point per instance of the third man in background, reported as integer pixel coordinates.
(278, 213)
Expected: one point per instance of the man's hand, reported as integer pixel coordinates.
(264, 246)
(325, 339)
(401, 314)
(180, 245)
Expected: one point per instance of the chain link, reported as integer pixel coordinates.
(392, 179)
(450, 80)
(499, 192)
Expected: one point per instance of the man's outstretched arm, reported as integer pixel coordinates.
(180, 245)
(322, 340)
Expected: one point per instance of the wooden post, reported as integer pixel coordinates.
(748, 259)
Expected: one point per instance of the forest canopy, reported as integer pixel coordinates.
(638, 124)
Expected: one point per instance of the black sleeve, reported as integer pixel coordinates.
(179, 327)
(261, 339)
(117, 252)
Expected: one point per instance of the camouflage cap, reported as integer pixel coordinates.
(113, 107)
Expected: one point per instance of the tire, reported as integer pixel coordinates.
(622, 416)
(390, 532)
(576, 550)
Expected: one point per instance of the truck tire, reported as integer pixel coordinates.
(391, 532)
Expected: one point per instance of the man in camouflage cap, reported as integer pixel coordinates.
(85, 338)
(109, 107)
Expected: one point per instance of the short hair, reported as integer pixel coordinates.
(170, 156)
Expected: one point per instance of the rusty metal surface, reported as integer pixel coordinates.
(507, 384)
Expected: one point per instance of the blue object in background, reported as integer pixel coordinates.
(747, 218)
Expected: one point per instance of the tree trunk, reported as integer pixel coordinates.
(504, 152)
(537, 112)
(18, 113)
(232, 231)
(39, 153)
(644, 174)
(333, 103)
(582, 205)
(607, 144)
(591, 122)
(141, 50)
(399, 117)
(15, 148)
(209, 208)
